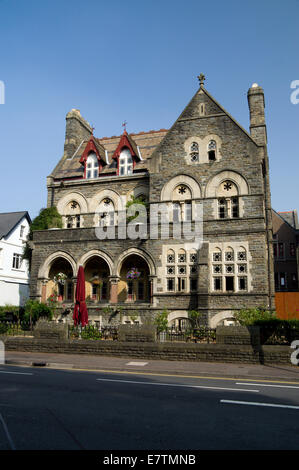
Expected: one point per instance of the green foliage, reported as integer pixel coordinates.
(161, 321)
(3, 328)
(10, 310)
(273, 330)
(88, 332)
(250, 316)
(277, 331)
(47, 218)
(35, 310)
(194, 317)
(135, 200)
(91, 332)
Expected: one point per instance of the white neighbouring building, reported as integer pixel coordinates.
(14, 273)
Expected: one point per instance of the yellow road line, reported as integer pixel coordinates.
(160, 374)
(182, 375)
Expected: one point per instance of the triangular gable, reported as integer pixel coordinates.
(219, 111)
(94, 146)
(228, 115)
(126, 141)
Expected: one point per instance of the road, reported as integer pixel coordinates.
(47, 409)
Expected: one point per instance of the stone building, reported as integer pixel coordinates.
(286, 250)
(207, 160)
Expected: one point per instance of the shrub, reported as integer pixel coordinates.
(47, 218)
(194, 317)
(91, 332)
(246, 317)
(161, 321)
(35, 310)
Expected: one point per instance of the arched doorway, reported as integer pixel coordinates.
(97, 274)
(60, 283)
(134, 283)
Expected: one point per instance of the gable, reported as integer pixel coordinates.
(202, 120)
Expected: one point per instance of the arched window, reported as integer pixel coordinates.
(92, 166)
(212, 147)
(228, 202)
(106, 213)
(73, 218)
(194, 152)
(125, 162)
(182, 205)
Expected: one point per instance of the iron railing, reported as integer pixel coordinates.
(196, 335)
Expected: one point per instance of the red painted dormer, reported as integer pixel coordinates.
(93, 159)
(126, 155)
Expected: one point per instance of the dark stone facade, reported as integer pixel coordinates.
(241, 158)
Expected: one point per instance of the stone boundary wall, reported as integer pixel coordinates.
(162, 351)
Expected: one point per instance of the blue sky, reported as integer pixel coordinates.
(138, 61)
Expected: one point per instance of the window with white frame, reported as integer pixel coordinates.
(125, 162)
(22, 231)
(92, 166)
(17, 261)
(229, 270)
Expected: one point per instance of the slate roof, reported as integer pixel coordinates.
(145, 141)
(8, 221)
(291, 217)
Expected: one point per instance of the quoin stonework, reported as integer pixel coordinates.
(205, 159)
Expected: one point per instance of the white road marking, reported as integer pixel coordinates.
(177, 385)
(12, 446)
(18, 373)
(273, 405)
(267, 385)
(136, 363)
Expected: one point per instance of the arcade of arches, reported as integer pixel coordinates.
(131, 284)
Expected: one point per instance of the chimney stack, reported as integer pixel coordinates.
(256, 103)
(77, 129)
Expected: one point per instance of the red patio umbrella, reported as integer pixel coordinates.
(80, 311)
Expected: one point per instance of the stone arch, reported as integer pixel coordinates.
(135, 251)
(177, 314)
(119, 203)
(95, 253)
(216, 319)
(236, 178)
(191, 183)
(45, 268)
(72, 196)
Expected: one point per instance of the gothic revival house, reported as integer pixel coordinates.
(206, 157)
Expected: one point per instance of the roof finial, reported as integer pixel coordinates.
(92, 129)
(201, 79)
(124, 126)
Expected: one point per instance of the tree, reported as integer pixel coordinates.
(47, 218)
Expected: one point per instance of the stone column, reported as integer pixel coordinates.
(44, 282)
(74, 281)
(151, 287)
(113, 289)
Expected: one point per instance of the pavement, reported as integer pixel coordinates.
(127, 365)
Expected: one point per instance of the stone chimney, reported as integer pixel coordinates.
(77, 129)
(256, 103)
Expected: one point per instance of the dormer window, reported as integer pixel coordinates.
(92, 166)
(125, 162)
